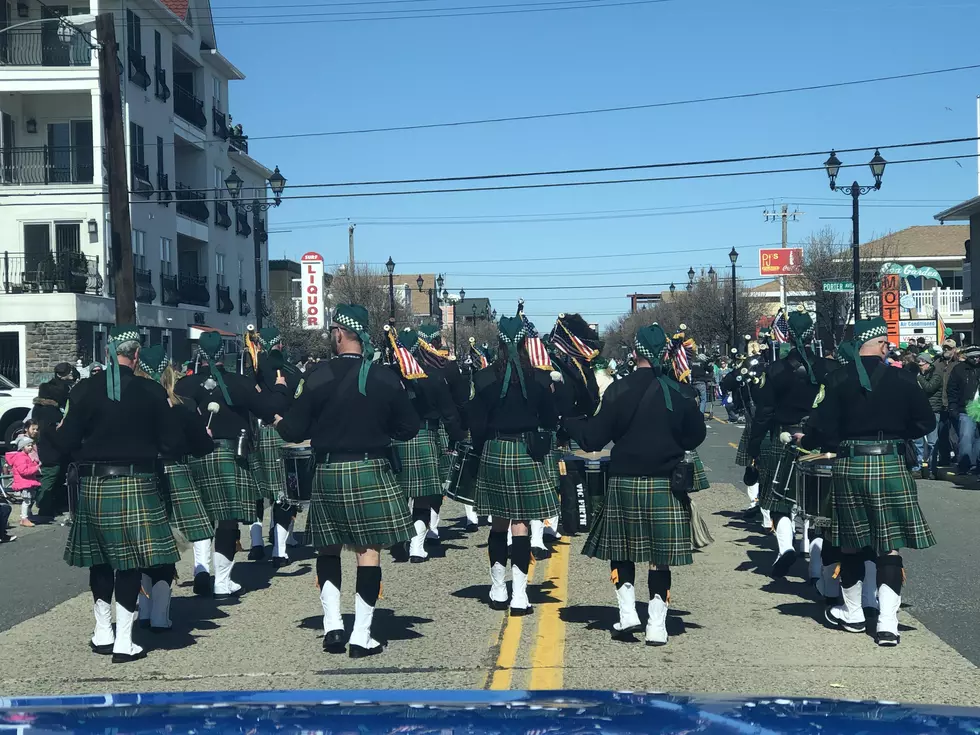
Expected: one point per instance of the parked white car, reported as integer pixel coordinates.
(15, 403)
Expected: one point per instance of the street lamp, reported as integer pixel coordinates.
(690, 279)
(733, 256)
(672, 288)
(234, 186)
(855, 191)
(474, 315)
(435, 295)
(390, 265)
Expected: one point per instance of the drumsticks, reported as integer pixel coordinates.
(213, 408)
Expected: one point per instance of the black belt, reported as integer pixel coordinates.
(510, 437)
(885, 449)
(231, 444)
(116, 470)
(431, 424)
(338, 457)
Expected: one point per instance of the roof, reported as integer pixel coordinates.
(177, 7)
(962, 211)
(921, 241)
(773, 285)
(284, 265)
(464, 308)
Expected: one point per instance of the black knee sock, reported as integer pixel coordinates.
(625, 572)
(369, 584)
(830, 554)
(128, 588)
(259, 510)
(163, 573)
(851, 569)
(420, 514)
(497, 548)
(282, 516)
(100, 580)
(520, 553)
(437, 503)
(890, 572)
(328, 570)
(225, 540)
(658, 580)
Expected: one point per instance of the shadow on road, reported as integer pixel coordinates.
(602, 617)
(387, 625)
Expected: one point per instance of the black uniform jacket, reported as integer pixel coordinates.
(271, 367)
(136, 428)
(459, 385)
(433, 402)
(229, 421)
(896, 408)
(647, 444)
(194, 439)
(513, 414)
(332, 413)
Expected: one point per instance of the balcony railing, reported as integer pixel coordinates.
(243, 308)
(219, 123)
(950, 303)
(237, 139)
(193, 290)
(164, 195)
(137, 69)
(160, 89)
(46, 165)
(189, 107)
(142, 281)
(141, 180)
(241, 223)
(221, 216)
(169, 293)
(64, 272)
(43, 47)
(225, 305)
(191, 204)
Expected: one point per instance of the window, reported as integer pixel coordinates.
(216, 93)
(166, 257)
(241, 274)
(160, 155)
(144, 337)
(67, 238)
(70, 152)
(139, 249)
(134, 32)
(157, 50)
(219, 183)
(136, 143)
(219, 268)
(37, 247)
(99, 342)
(167, 344)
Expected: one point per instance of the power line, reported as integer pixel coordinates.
(571, 4)
(567, 287)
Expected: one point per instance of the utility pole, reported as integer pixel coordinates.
(120, 224)
(350, 246)
(784, 215)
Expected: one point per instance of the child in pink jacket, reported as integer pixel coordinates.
(27, 475)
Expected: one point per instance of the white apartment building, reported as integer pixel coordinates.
(193, 253)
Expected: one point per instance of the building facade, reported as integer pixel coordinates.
(193, 253)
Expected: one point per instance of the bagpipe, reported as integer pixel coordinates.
(248, 358)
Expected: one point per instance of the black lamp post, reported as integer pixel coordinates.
(690, 279)
(390, 265)
(672, 288)
(462, 295)
(855, 191)
(234, 185)
(474, 314)
(733, 256)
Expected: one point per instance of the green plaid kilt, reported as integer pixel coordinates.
(641, 521)
(357, 504)
(771, 452)
(554, 457)
(227, 489)
(270, 470)
(700, 476)
(420, 477)
(185, 509)
(876, 504)
(121, 522)
(742, 458)
(512, 485)
(445, 461)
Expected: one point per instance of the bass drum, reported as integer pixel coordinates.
(300, 468)
(461, 484)
(814, 489)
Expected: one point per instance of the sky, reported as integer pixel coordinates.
(582, 249)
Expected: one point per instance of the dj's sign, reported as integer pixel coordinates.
(312, 309)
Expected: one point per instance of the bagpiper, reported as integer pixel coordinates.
(645, 519)
(352, 410)
(116, 428)
(869, 413)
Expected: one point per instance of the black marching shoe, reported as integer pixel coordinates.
(362, 652)
(125, 658)
(256, 553)
(335, 641)
(418, 559)
(471, 527)
(203, 584)
(144, 624)
(540, 554)
(519, 612)
(886, 639)
(499, 604)
(783, 564)
(105, 650)
(279, 561)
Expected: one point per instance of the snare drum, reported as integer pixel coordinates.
(814, 489)
(300, 468)
(461, 483)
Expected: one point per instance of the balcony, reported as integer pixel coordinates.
(221, 216)
(160, 89)
(225, 305)
(46, 165)
(170, 295)
(141, 180)
(241, 223)
(237, 139)
(219, 123)
(137, 69)
(950, 303)
(243, 308)
(142, 282)
(191, 204)
(164, 195)
(41, 47)
(64, 273)
(190, 108)
(193, 290)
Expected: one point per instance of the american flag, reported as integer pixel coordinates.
(536, 350)
(477, 355)
(679, 357)
(410, 369)
(780, 327)
(570, 344)
(940, 329)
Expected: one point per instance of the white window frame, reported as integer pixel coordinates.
(169, 260)
(98, 329)
(216, 93)
(219, 182)
(167, 340)
(241, 274)
(145, 336)
(138, 241)
(219, 269)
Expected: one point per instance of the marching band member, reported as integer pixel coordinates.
(351, 410)
(116, 428)
(511, 403)
(868, 413)
(419, 476)
(652, 421)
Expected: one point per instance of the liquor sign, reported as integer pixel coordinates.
(891, 308)
(781, 261)
(313, 310)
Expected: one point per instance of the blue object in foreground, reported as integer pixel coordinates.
(467, 713)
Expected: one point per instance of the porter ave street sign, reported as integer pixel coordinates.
(838, 286)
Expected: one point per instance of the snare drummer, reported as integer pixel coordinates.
(869, 413)
(652, 421)
(351, 410)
